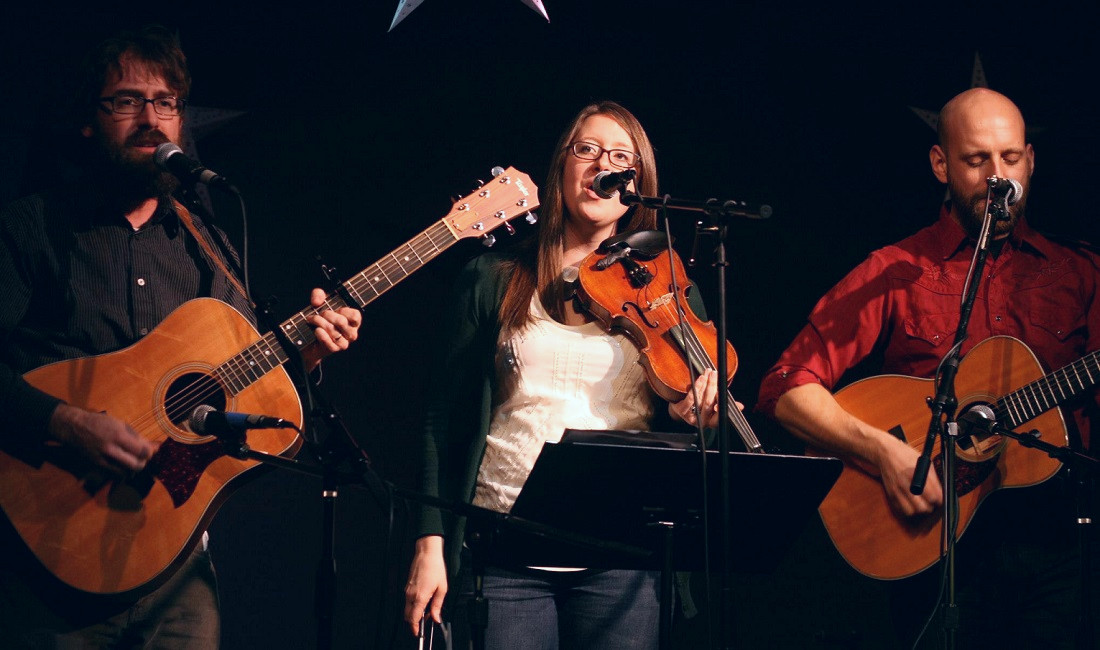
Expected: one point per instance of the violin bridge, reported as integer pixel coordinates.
(661, 301)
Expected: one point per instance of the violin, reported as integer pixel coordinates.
(627, 284)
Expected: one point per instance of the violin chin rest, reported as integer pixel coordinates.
(643, 244)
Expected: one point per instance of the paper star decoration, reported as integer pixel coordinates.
(977, 80)
(406, 7)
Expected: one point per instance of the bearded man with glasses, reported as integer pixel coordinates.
(90, 268)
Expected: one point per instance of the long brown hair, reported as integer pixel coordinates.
(538, 264)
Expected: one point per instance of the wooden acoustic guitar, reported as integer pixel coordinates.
(106, 535)
(1001, 373)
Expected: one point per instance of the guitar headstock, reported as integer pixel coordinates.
(508, 195)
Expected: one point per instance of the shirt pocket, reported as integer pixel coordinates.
(937, 330)
(1058, 323)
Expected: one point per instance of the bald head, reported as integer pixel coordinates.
(977, 109)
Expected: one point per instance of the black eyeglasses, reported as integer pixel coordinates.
(620, 158)
(132, 105)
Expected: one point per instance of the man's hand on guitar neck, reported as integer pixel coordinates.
(333, 329)
(106, 441)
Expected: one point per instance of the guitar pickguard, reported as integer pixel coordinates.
(179, 467)
(968, 475)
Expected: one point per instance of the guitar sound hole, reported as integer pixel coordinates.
(188, 391)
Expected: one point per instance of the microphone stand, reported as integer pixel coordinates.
(718, 211)
(338, 445)
(944, 404)
(329, 450)
(1081, 467)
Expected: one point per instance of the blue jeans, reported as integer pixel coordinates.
(530, 609)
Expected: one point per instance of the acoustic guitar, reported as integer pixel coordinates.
(1001, 373)
(102, 534)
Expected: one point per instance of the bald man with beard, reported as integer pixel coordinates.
(1018, 563)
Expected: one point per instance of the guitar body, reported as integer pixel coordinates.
(856, 513)
(105, 535)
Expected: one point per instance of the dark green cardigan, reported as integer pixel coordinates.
(460, 403)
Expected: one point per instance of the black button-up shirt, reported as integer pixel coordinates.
(77, 280)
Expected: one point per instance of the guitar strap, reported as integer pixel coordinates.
(189, 223)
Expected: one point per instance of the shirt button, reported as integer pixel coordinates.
(141, 282)
(997, 318)
(143, 331)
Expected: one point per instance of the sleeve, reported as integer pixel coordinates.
(460, 394)
(843, 329)
(1089, 425)
(28, 409)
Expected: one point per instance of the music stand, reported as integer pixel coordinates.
(644, 489)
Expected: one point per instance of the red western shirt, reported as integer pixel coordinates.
(903, 302)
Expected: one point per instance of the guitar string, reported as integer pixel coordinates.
(1024, 403)
(695, 351)
(236, 367)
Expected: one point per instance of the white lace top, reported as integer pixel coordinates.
(554, 377)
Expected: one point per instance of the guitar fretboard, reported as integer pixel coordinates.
(1045, 393)
(241, 370)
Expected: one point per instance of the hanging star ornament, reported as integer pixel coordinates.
(977, 80)
(406, 7)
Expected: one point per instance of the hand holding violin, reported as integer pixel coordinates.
(643, 294)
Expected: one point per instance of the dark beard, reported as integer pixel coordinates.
(128, 177)
(971, 210)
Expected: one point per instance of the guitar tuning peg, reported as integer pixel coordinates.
(496, 171)
(479, 182)
(531, 217)
(509, 228)
(455, 198)
(488, 240)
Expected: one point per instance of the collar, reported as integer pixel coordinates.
(951, 238)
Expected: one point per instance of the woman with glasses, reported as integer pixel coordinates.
(522, 365)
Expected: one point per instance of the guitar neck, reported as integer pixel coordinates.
(1049, 391)
(256, 360)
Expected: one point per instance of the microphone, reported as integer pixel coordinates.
(171, 158)
(979, 416)
(1009, 188)
(205, 420)
(607, 184)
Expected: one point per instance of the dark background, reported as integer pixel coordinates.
(352, 139)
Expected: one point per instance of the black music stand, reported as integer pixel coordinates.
(644, 489)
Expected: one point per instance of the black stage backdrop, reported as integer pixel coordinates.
(351, 139)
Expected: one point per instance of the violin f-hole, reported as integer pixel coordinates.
(641, 313)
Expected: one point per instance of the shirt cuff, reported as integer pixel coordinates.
(778, 381)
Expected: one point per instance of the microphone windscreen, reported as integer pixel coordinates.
(164, 151)
(197, 421)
